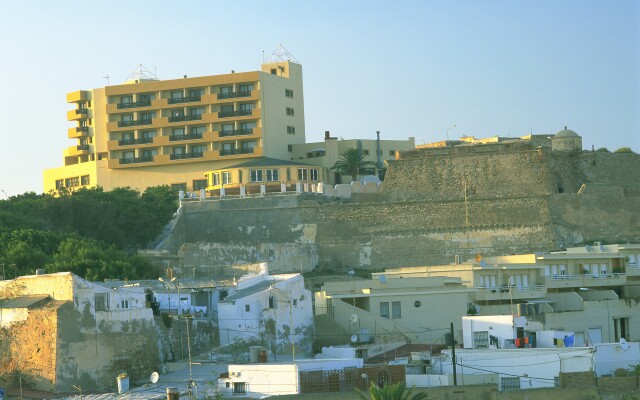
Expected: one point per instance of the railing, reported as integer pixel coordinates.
(82, 111)
(128, 142)
(181, 118)
(588, 276)
(180, 100)
(184, 156)
(514, 288)
(230, 152)
(236, 132)
(134, 123)
(142, 103)
(234, 95)
(82, 129)
(236, 113)
(136, 160)
(188, 136)
(81, 147)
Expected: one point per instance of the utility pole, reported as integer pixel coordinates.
(453, 357)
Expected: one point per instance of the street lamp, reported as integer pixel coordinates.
(449, 128)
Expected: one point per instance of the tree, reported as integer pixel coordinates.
(624, 150)
(396, 391)
(350, 163)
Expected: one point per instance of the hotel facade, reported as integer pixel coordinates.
(149, 132)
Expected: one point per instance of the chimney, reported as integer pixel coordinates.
(327, 135)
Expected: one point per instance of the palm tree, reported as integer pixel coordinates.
(350, 163)
(396, 391)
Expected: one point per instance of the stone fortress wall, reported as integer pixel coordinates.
(437, 203)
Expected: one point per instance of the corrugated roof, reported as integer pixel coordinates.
(23, 301)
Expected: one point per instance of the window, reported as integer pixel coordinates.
(178, 151)
(314, 174)
(256, 175)
(179, 187)
(197, 111)
(223, 294)
(392, 153)
(227, 127)
(481, 340)
(384, 309)
(226, 89)
(147, 116)
(126, 100)
(247, 307)
(226, 108)
(215, 179)
(177, 95)
(127, 117)
(149, 154)
(290, 111)
(295, 302)
(288, 92)
(290, 148)
(272, 175)
(199, 184)
(226, 177)
(148, 135)
(59, 184)
(303, 174)
(102, 301)
(510, 383)
(196, 93)
(247, 126)
(239, 388)
(291, 130)
(200, 149)
(124, 304)
(72, 182)
(84, 180)
(128, 155)
(247, 106)
(249, 145)
(621, 328)
(271, 302)
(273, 71)
(245, 88)
(396, 310)
(145, 98)
(178, 133)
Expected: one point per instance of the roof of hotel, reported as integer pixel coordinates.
(266, 162)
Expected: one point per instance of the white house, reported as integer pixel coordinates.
(499, 331)
(276, 308)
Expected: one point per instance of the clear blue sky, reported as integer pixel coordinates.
(406, 68)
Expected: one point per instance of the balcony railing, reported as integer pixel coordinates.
(234, 95)
(184, 156)
(180, 100)
(82, 147)
(188, 136)
(82, 129)
(181, 118)
(134, 123)
(236, 113)
(135, 160)
(231, 152)
(82, 111)
(512, 288)
(585, 276)
(236, 132)
(142, 103)
(128, 142)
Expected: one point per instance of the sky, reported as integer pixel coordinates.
(404, 68)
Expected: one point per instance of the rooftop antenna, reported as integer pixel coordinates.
(142, 74)
(107, 78)
(282, 54)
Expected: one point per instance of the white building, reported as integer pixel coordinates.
(276, 308)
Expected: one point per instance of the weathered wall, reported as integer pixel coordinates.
(518, 200)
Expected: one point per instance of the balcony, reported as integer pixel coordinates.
(122, 124)
(136, 160)
(184, 156)
(510, 292)
(77, 132)
(236, 113)
(573, 281)
(129, 142)
(77, 96)
(233, 152)
(77, 114)
(188, 136)
(182, 118)
(234, 95)
(135, 104)
(236, 132)
(82, 147)
(181, 100)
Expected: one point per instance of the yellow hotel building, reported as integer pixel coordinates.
(148, 132)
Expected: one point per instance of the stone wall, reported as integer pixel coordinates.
(490, 199)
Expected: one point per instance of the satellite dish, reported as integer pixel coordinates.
(154, 377)
(624, 345)
(351, 272)
(354, 318)
(354, 338)
(382, 279)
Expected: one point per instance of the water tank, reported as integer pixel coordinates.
(40, 271)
